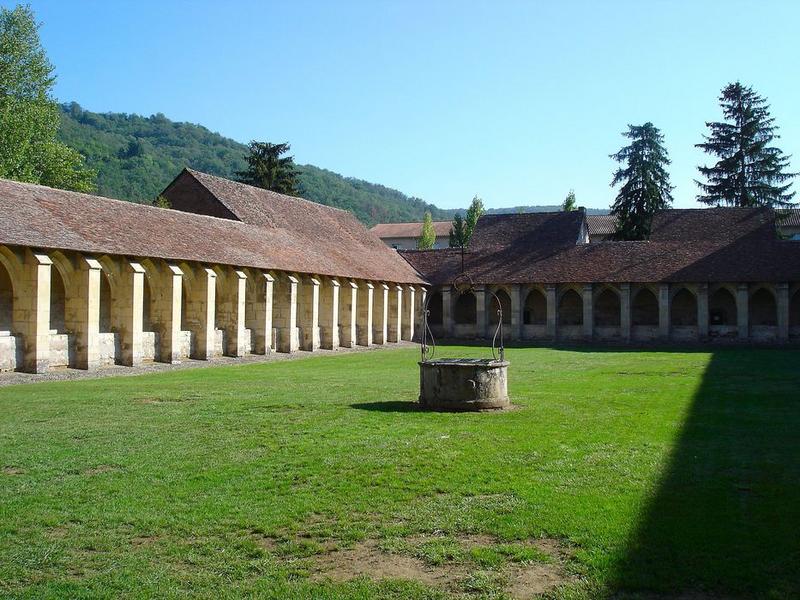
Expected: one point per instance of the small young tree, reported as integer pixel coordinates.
(427, 238)
(29, 117)
(570, 203)
(749, 171)
(474, 213)
(268, 169)
(458, 232)
(645, 182)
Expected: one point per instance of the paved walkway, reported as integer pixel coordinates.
(65, 374)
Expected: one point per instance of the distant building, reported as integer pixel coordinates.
(403, 236)
(789, 223)
(601, 227)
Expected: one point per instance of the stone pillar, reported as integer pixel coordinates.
(481, 308)
(551, 296)
(516, 312)
(285, 314)
(411, 309)
(396, 315)
(663, 311)
(365, 315)
(230, 310)
(702, 311)
(32, 312)
(166, 312)
(380, 315)
(201, 307)
(261, 310)
(782, 304)
(423, 298)
(82, 313)
(329, 315)
(588, 311)
(308, 314)
(742, 310)
(131, 313)
(348, 314)
(447, 311)
(625, 311)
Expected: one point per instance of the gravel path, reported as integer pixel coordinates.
(65, 374)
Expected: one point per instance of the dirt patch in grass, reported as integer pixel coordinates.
(167, 400)
(13, 471)
(459, 564)
(99, 469)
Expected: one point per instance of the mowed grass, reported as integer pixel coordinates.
(661, 471)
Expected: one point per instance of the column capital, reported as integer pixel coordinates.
(353, 284)
(702, 287)
(335, 282)
(240, 274)
(91, 263)
(588, 287)
(292, 279)
(135, 266)
(742, 287)
(42, 258)
(625, 287)
(176, 270)
(268, 277)
(550, 287)
(781, 286)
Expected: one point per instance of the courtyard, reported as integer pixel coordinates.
(621, 472)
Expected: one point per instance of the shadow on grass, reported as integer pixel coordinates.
(726, 515)
(395, 406)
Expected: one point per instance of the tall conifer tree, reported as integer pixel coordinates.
(749, 171)
(645, 182)
(458, 232)
(268, 169)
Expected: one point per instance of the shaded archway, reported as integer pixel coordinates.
(147, 306)
(535, 310)
(6, 299)
(683, 309)
(58, 301)
(607, 309)
(644, 308)
(435, 309)
(794, 310)
(570, 308)
(762, 308)
(722, 308)
(505, 305)
(465, 311)
(105, 303)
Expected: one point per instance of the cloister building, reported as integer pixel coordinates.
(230, 270)
(719, 274)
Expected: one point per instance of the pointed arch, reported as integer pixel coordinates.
(683, 309)
(535, 308)
(505, 305)
(607, 311)
(6, 299)
(570, 308)
(436, 309)
(763, 308)
(722, 308)
(794, 309)
(465, 310)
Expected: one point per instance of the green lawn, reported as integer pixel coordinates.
(660, 471)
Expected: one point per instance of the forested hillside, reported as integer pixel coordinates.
(136, 157)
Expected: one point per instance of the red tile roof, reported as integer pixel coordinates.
(306, 240)
(409, 230)
(601, 224)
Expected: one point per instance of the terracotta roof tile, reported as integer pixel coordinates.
(409, 230)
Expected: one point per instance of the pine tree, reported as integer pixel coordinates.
(749, 171)
(267, 169)
(458, 232)
(474, 213)
(29, 117)
(645, 182)
(570, 203)
(427, 238)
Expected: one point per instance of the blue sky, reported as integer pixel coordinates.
(515, 101)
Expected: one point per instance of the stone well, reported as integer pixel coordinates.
(463, 384)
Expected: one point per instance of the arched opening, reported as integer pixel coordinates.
(722, 308)
(465, 311)
(58, 301)
(218, 300)
(683, 312)
(570, 308)
(505, 305)
(535, 310)
(794, 310)
(607, 309)
(184, 306)
(105, 303)
(147, 306)
(644, 309)
(762, 309)
(6, 300)
(435, 309)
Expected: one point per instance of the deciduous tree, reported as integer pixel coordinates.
(427, 237)
(570, 203)
(474, 213)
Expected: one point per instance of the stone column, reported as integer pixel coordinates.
(408, 322)
(261, 310)
(308, 317)
(663, 311)
(365, 315)
(131, 313)
(702, 311)
(625, 311)
(380, 315)
(32, 312)
(201, 306)
(285, 314)
(516, 312)
(82, 313)
(447, 311)
(742, 310)
(166, 312)
(423, 298)
(482, 307)
(588, 311)
(396, 315)
(782, 304)
(231, 312)
(329, 315)
(348, 314)
(551, 296)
